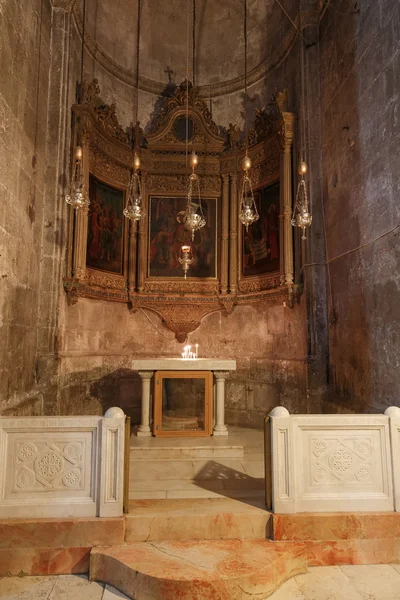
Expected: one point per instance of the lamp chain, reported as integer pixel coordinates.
(82, 50)
(137, 62)
(245, 68)
(194, 42)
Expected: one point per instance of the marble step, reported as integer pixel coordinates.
(199, 469)
(198, 570)
(189, 489)
(183, 453)
(197, 519)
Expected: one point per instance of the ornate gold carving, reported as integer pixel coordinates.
(98, 279)
(261, 283)
(181, 304)
(185, 95)
(168, 166)
(181, 287)
(179, 183)
(233, 135)
(181, 317)
(105, 168)
(108, 121)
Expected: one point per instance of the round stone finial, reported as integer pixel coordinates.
(392, 411)
(115, 413)
(279, 411)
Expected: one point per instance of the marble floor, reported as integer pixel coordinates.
(211, 467)
(372, 582)
(56, 587)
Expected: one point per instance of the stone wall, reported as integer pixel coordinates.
(25, 31)
(99, 340)
(360, 85)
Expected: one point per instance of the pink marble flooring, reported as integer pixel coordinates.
(198, 570)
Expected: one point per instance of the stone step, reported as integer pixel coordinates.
(205, 570)
(183, 453)
(54, 546)
(337, 526)
(199, 469)
(196, 519)
(196, 493)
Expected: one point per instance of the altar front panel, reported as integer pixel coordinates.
(183, 403)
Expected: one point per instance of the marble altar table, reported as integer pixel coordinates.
(147, 367)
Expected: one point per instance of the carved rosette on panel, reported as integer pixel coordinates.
(49, 465)
(342, 461)
(107, 149)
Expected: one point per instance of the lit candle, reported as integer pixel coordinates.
(197, 350)
(185, 249)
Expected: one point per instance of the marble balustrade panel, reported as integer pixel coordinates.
(335, 463)
(61, 466)
(395, 442)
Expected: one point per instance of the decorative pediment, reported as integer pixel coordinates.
(185, 115)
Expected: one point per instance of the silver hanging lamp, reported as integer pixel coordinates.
(302, 216)
(78, 196)
(134, 210)
(193, 218)
(248, 213)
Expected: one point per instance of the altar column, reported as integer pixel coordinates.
(287, 196)
(233, 244)
(220, 427)
(144, 427)
(224, 234)
(142, 243)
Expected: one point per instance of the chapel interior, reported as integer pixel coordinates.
(199, 236)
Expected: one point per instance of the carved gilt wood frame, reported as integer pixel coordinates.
(107, 154)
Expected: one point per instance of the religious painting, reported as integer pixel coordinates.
(260, 245)
(105, 227)
(168, 234)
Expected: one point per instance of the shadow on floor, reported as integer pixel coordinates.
(236, 485)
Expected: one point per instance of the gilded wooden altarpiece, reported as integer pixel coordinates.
(146, 276)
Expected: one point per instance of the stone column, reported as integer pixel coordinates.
(287, 197)
(224, 233)
(315, 283)
(233, 246)
(144, 427)
(142, 244)
(55, 210)
(220, 427)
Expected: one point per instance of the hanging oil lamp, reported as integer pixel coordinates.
(301, 216)
(78, 197)
(185, 260)
(248, 208)
(134, 209)
(194, 215)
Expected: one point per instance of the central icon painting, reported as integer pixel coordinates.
(168, 234)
